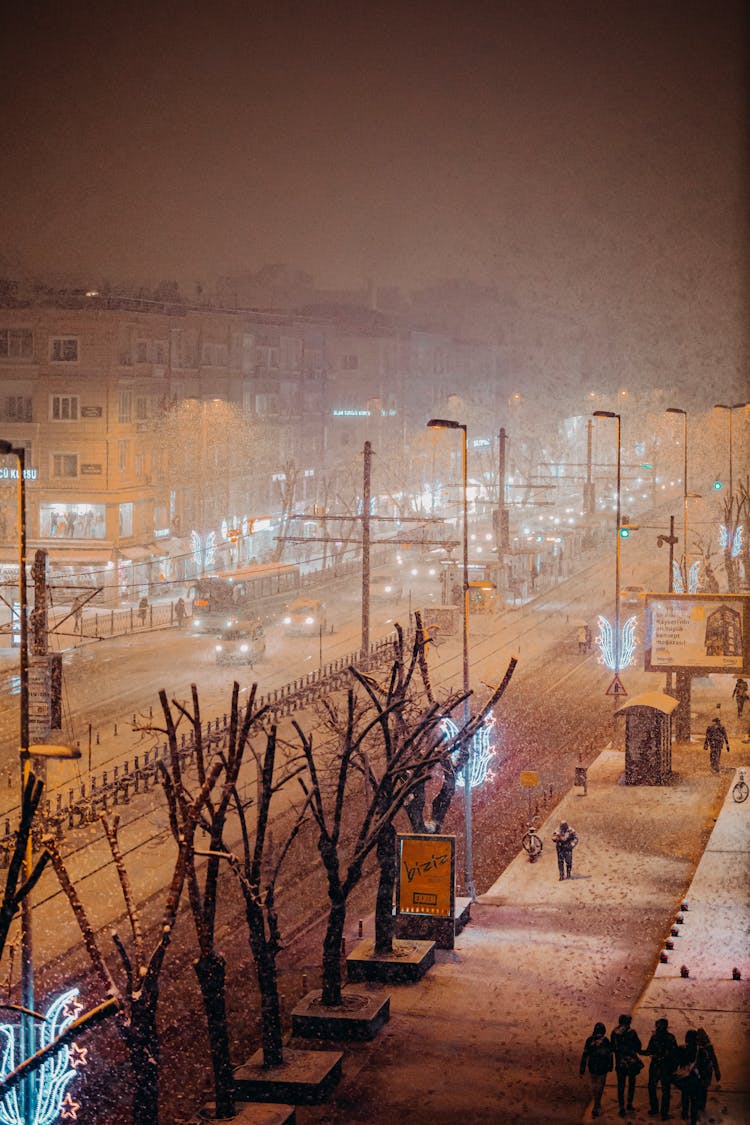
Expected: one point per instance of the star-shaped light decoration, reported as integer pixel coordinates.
(482, 751)
(49, 1083)
(69, 1109)
(79, 1056)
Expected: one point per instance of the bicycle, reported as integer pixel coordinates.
(531, 842)
(739, 789)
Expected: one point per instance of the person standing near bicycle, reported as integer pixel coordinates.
(565, 839)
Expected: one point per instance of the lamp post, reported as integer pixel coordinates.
(448, 424)
(611, 414)
(26, 752)
(678, 410)
(729, 409)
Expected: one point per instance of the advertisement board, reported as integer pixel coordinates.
(698, 633)
(426, 875)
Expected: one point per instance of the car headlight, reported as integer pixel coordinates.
(287, 621)
(218, 648)
(244, 648)
(197, 622)
(309, 621)
(388, 589)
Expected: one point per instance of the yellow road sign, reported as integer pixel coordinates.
(529, 778)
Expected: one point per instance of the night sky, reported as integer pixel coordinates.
(588, 159)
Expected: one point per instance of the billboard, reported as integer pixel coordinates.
(698, 633)
(426, 875)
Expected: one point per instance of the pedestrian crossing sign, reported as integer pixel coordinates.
(616, 687)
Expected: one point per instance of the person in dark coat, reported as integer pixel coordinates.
(662, 1050)
(597, 1055)
(716, 738)
(565, 839)
(179, 612)
(740, 695)
(626, 1045)
(692, 1076)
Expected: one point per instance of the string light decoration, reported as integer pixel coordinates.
(204, 550)
(482, 751)
(606, 643)
(736, 539)
(49, 1083)
(693, 578)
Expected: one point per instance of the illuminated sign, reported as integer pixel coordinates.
(700, 632)
(12, 474)
(426, 875)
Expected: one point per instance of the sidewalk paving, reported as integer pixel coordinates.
(493, 1034)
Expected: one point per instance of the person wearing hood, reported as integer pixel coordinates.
(662, 1050)
(565, 839)
(597, 1055)
(715, 740)
(626, 1045)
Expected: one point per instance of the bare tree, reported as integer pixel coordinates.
(140, 995)
(210, 965)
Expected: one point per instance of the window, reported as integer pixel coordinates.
(141, 351)
(64, 464)
(266, 404)
(349, 362)
(160, 352)
(63, 349)
(16, 343)
(18, 408)
(64, 408)
(123, 450)
(140, 462)
(125, 406)
(141, 408)
(125, 520)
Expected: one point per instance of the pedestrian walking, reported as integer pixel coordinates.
(705, 1042)
(692, 1076)
(143, 610)
(581, 634)
(565, 839)
(626, 1045)
(597, 1056)
(179, 612)
(740, 695)
(662, 1050)
(715, 740)
(587, 629)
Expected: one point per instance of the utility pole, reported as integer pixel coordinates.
(671, 539)
(366, 502)
(502, 515)
(589, 498)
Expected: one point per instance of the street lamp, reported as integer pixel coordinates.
(448, 424)
(26, 752)
(729, 409)
(611, 414)
(678, 410)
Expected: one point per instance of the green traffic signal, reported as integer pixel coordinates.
(624, 532)
(717, 485)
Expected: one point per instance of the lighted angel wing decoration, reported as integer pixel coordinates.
(694, 577)
(677, 584)
(482, 751)
(627, 647)
(53, 1076)
(737, 540)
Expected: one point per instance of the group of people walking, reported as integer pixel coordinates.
(689, 1068)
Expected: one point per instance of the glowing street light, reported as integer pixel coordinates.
(449, 424)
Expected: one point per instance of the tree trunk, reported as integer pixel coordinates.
(210, 971)
(384, 920)
(143, 1046)
(268, 986)
(331, 996)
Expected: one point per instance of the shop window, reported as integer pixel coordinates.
(71, 521)
(125, 521)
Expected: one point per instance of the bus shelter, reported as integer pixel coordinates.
(648, 738)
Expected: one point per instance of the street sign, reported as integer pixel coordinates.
(529, 779)
(616, 687)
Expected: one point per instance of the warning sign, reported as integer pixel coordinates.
(616, 687)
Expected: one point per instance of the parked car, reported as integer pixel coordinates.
(304, 617)
(633, 594)
(386, 588)
(243, 642)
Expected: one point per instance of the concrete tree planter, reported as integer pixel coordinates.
(359, 1017)
(303, 1078)
(408, 962)
(443, 931)
(253, 1113)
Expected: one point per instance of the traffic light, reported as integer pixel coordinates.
(626, 528)
(717, 486)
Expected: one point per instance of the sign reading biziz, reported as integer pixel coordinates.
(698, 632)
(426, 875)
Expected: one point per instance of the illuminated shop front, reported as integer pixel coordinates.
(72, 521)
